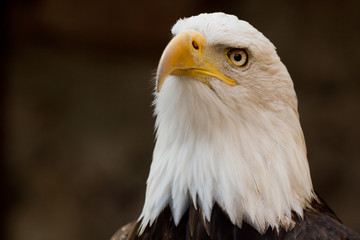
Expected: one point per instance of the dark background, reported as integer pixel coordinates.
(76, 111)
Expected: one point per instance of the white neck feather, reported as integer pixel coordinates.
(251, 161)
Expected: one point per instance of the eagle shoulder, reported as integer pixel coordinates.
(318, 227)
(126, 232)
(319, 222)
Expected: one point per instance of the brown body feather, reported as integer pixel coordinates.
(319, 222)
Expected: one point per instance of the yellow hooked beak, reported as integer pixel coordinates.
(184, 55)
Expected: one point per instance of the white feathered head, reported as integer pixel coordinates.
(227, 127)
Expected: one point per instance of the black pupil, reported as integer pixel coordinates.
(237, 57)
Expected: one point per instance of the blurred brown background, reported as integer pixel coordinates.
(76, 118)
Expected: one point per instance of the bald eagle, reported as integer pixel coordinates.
(230, 158)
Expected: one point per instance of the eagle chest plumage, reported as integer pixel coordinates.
(230, 158)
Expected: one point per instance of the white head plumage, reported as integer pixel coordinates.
(240, 145)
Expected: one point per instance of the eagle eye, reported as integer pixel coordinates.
(238, 57)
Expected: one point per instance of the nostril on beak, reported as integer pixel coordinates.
(195, 45)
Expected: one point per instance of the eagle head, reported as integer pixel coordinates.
(227, 127)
